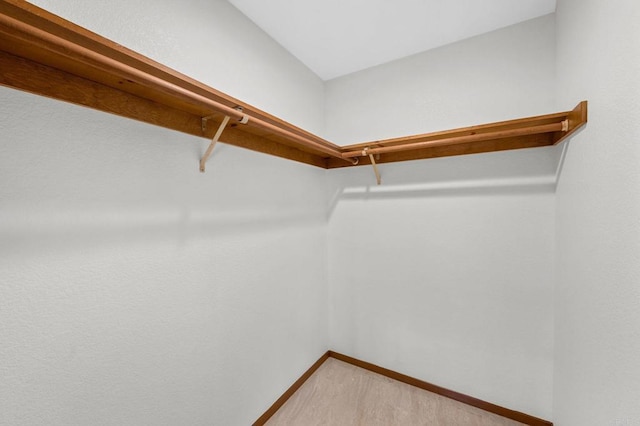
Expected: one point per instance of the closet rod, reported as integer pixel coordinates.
(68, 49)
(532, 130)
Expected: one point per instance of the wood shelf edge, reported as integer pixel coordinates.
(32, 77)
(76, 56)
(578, 117)
(37, 17)
(456, 396)
(501, 142)
(41, 37)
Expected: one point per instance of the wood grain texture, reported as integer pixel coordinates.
(339, 394)
(457, 140)
(528, 132)
(291, 391)
(33, 77)
(456, 396)
(63, 59)
(41, 37)
(538, 120)
(520, 142)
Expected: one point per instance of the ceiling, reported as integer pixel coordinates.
(338, 37)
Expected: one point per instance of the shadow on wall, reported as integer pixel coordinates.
(526, 171)
(565, 147)
(97, 231)
(103, 183)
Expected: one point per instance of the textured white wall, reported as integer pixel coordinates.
(597, 368)
(445, 271)
(496, 76)
(134, 289)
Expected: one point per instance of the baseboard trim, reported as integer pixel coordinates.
(457, 396)
(292, 389)
(469, 400)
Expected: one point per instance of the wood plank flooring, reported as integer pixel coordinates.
(340, 394)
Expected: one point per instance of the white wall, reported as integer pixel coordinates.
(134, 289)
(445, 272)
(496, 76)
(597, 308)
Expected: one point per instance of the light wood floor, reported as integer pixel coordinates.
(341, 394)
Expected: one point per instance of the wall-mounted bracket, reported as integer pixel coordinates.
(212, 145)
(373, 163)
(242, 120)
(203, 123)
(245, 117)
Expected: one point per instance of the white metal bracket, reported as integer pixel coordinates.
(212, 145)
(373, 163)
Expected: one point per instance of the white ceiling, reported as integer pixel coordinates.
(338, 37)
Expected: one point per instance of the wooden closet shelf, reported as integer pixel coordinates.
(530, 132)
(46, 55)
